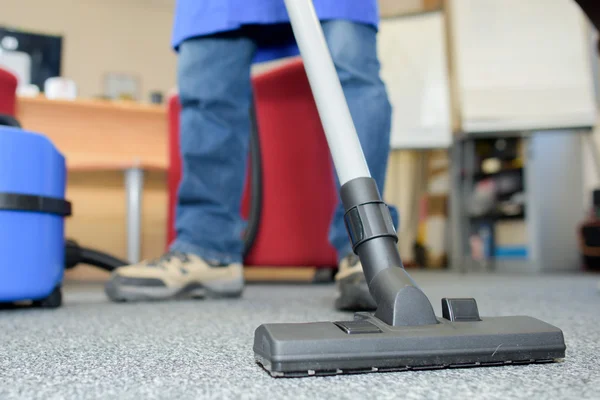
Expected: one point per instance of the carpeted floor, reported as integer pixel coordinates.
(92, 349)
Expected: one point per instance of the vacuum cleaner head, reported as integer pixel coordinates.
(404, 333)
(366, 344)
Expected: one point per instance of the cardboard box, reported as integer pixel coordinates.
(437, 205)
(511, 240)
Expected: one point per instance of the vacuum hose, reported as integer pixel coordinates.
(75, 255)
(255, 183)
(8, 120)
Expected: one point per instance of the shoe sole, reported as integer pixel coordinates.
(354, 295)
(213, 290)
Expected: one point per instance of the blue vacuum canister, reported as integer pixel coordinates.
(32, 212)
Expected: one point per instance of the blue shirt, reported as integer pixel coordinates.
(204, 17)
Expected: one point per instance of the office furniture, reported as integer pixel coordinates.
(8, 87)
(540, 238)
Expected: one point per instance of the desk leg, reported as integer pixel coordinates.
(134, 186)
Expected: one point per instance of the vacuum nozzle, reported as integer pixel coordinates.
(367, 344)
(404, 333)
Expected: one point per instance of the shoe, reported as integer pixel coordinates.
(175, 275)
(353, 291)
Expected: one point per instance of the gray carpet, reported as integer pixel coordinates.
(92, 349)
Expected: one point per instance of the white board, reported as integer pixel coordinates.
(522, 65)
(412, 52)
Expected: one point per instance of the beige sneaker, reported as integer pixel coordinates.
(353, 291)
(175, 275)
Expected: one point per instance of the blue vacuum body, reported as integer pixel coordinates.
(32, 211)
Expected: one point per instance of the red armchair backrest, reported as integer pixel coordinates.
(299, 193)
(8, 90)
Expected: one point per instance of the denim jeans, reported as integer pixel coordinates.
(215, 93)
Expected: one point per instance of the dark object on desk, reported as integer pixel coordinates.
(156, 98)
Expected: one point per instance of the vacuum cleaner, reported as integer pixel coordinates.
(403, 333)
(34, 251)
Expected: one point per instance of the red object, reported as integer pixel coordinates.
(299, 193)
(8, 90)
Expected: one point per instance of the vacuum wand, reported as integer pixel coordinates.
(340, 132)
(368, 219)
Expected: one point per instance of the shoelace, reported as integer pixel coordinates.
(353, 260)
(167, 257)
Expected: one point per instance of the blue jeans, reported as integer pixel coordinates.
(215, 93)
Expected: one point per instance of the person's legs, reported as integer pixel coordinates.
(205, 258)
(353, 48)
(215, 93)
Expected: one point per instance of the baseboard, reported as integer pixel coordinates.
(254, 274)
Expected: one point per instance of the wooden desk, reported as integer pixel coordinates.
(96, 134)
(101, 142)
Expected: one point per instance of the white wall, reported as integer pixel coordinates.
(130, 36)
(127, 36)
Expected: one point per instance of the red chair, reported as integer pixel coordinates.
(8, 89)
(299, 193)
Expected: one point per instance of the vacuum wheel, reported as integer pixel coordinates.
(54, 300)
